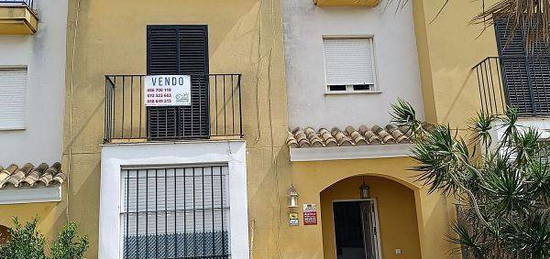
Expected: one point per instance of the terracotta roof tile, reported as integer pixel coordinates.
(30, 176)
(350, 136)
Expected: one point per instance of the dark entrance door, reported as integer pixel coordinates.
(355, 226)
(179, 50)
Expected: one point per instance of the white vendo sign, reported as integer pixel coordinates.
(167, 90)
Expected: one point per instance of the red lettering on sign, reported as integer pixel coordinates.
(310, 217)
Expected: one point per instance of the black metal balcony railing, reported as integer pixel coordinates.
(519, 82)
(29, 3)
(215, 110)
(491, 91)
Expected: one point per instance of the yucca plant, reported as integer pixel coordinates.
(502, 190)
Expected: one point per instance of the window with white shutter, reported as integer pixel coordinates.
(179, 212)
(349, 64)
(13, 83)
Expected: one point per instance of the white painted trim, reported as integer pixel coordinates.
(349, 152)
(114, 157)
(352, 92)
(13, 195)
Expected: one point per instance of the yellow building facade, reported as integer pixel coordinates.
(247, 38)
(333, 154)
(244, 37)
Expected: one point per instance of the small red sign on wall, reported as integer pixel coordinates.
(310, 214)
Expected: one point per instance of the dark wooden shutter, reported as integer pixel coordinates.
(526, 75)
(180, 49)
(193, 60)
(162, 59)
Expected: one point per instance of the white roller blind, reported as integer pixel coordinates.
(349, 61)
(12, 98)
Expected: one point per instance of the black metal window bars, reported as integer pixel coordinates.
(175, 212)
(126, 116)
(520, 82)
(28, 3)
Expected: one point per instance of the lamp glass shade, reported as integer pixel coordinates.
(292, 197)
(365, 191)
(293, 202)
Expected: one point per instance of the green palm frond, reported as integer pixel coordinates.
(508, 191)
(509, 123)
(469, 240)
(439, 155)
(538, 173)
(481, 128)
(530, 237)
(404, 115)
(527, 145)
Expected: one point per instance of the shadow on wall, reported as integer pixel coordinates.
(458, 106)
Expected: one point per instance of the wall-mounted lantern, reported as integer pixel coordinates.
(292, 197)
(364, 190)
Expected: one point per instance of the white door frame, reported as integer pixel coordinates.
(377, 222)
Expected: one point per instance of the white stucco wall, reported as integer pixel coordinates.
(542, 125)
(44, 54)
(395, 56)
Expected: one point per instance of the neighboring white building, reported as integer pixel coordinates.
(347, 65)
(32, 84)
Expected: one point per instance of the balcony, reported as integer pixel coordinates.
(519, 82)
(349, 3)
(213, 112)
(18, 17)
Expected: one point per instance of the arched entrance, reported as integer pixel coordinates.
(382, 225)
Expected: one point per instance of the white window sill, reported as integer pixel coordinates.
(353, 92)
(12, 128)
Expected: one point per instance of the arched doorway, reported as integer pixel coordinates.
(382, 225)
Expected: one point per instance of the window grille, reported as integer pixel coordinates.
(177, 212)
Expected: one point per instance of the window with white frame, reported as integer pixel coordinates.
(349, 64)
(178, 212)
(13, 82)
